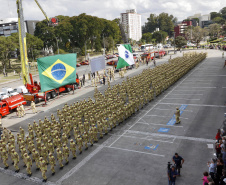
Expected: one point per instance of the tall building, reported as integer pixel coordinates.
(10, 25)
(181, 28)
(204, 20)
(131, 23)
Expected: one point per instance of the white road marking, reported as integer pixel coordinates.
(199, 87)
(173, 110)
(24, 177)
(187, 94)
(165, 116)
(79, 165)
(172, 136)
(199, 105)
(188, 90)
(134, 151)
(160, 124)
(181, 99)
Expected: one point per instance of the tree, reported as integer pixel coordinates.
(223, 12)
(147, 37)
(7, 46)
(219, 20)
(197, 34)
(214, 30)
(214, 15)
(159, 36)
(163, 21)
(180, 41)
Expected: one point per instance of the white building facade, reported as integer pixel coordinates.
(131, 22)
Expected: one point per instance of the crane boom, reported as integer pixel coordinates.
(42, 10)
(22, 41)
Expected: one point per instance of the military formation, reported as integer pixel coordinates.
(78, 126)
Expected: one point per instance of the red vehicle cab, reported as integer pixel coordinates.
(11, 103)
(78, 65)
(86, 62)
(112, 63)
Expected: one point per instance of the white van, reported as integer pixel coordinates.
(21, 89)
(9, 91)
(3, 95)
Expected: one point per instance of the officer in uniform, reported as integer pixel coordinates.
(4, 156)
(66, 153)
(52, 163)
(177, 114)
(28, 163)
(60, 158)
(73, 148)
(36, 157)
(33, 107)
(15, 160)
(43, 168)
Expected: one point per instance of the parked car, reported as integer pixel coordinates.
(135, 55)
(9, 91)
(86, 62)
(78, 65)
(112, 63)
(110, 56)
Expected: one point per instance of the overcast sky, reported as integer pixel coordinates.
(110, 9)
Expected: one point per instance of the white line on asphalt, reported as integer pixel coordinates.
(165, 116)
(160, 124)
(172, 136)
(200, 87)
(187, 94)
(181, 99)
(134, 151)
(79, 165)
(209, 75)
(24, 176)
(145, 138)
(174, 110)
(189, 90)
(201, 105)
(198, 80)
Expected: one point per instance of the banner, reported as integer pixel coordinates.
(56, 71)
(97, 64)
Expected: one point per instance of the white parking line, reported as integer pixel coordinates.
(134, 151)
(173, 110)
(199, 105)
(187, 94)
(160, 124)
(180, 99)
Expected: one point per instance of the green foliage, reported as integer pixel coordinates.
(159, 36)
(163, 21)
(7, 46)
(219, 20)
(180, 41)
(214, 15)
(214, 30)
(147, 37)
(77, 31)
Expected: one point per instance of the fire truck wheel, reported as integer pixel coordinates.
(0, 116)
(68, 89)
(53, 94)
(48, 96)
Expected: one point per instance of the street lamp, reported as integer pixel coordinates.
(174, 41)
(57, 46)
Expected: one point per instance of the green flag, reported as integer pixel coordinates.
(56, 71)
(125, 56)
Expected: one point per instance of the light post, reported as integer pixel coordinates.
(104, 44)
(85, 50)
(57, 46)
(174, 41)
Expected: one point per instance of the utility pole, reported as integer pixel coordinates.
(113, 46)
(174, 41)
(191, 33)
(104, 43)
(85, 50)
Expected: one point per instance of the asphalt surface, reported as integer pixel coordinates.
(137, 151)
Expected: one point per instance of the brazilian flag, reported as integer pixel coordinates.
(56, 71)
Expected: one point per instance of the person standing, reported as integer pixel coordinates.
(172, 174)
(154, 62)
(104, 80)
(212, 167)
(178, 161)
(204, 179)
(177, 114)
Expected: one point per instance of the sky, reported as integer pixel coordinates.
(110, 9)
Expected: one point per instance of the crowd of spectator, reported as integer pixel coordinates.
(217, 166)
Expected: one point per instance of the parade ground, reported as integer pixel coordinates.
(137, 152)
